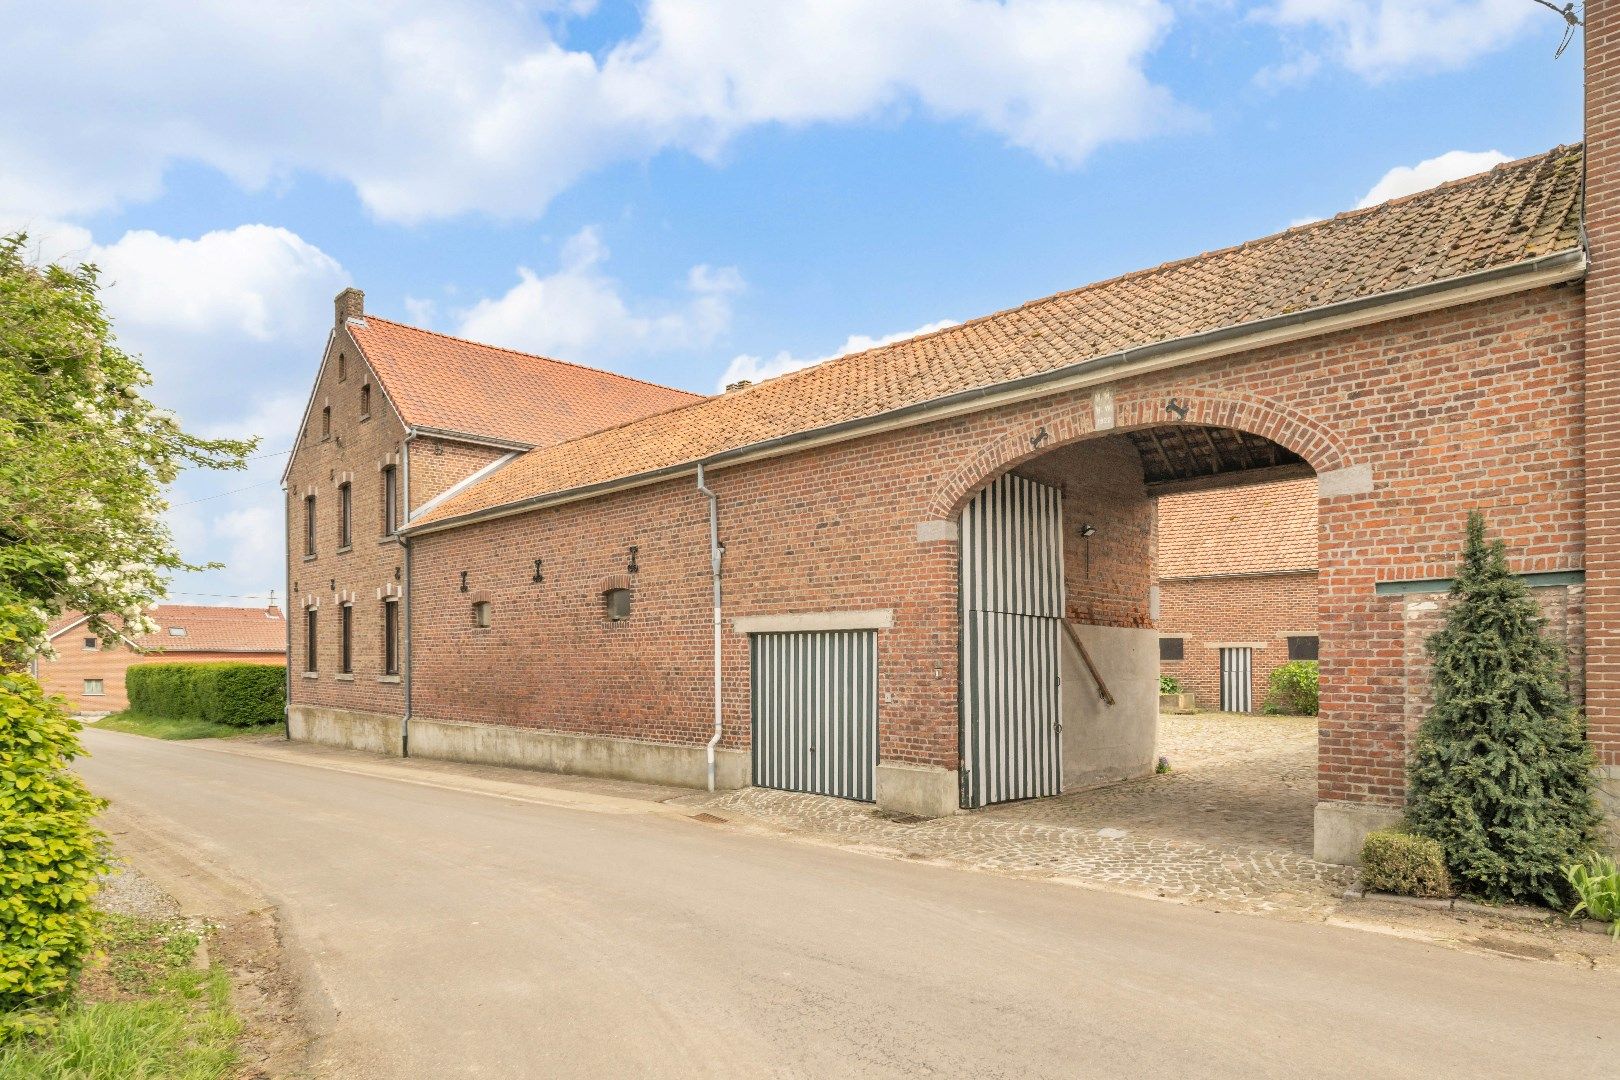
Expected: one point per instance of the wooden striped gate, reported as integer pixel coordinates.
(1012, 608)
(1237, 679)
(814, 712)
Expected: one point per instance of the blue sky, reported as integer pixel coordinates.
(689, 189)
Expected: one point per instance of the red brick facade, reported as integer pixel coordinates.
(1261, 611)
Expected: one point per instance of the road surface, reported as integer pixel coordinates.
(449, 933)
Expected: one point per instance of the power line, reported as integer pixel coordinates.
(221, 495)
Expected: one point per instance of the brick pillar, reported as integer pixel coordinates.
(1603, 386)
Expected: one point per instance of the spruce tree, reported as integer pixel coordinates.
(1502, 774)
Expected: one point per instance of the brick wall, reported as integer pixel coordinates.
(1479, 406)
(1262, 610)
(372, 567)
(74, 664)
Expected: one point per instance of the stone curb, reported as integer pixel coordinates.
(1510, 911)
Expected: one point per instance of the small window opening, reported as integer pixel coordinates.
(481, 614)
(177, 631)
(618, 604)
(343, 367)
(309, 524)
(390, 637)
(390, 520)
(1304, 647)
(326, 422)
(365, 402)
(345, 516)
(311, 637)
(91, 644)
(1171, 648)
(346, 641)
(93, 688)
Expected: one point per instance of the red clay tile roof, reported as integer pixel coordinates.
(1256, 529)
(436, 381)
(207, 629)
(1516, 211)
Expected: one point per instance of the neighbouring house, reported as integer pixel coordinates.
(91, 676)
(1237, 588)
(906, 575)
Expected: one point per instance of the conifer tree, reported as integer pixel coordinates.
(1502, 774)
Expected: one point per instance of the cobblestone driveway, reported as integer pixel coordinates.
(1230, 824)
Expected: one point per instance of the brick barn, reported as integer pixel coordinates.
(909, 575)
(1237, 587)
(92, 677)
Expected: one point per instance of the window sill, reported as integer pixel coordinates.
(364, 417)
(389, 539)
(312, 674)
(388, 678)
(344, 678)
(309, 558)
(345, 549)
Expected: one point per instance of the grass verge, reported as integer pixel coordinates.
(143, 1011)
(165, 727)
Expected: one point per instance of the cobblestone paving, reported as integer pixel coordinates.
(1230, 825)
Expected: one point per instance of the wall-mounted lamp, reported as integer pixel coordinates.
(464, 581)
(538, 576)
(1088, 530)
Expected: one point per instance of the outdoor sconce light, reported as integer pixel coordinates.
(464, 581)
(1088, 530)
(618, 604)
(538, 576)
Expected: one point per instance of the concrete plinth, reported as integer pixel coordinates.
(351, 729)
(581, 755)
(1342, 827)
(923, 790)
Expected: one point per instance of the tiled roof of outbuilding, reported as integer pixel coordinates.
(1518, 210)
(1253, 529)
(437, 381)
(207, 629)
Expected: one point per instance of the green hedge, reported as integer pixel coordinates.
(1294, 689)
(241, 695)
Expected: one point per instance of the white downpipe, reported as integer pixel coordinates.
(715, 552)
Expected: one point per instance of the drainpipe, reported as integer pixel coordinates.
(405, 596)
(715, 552)
(286, 679)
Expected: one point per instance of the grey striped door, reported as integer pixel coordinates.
(814, 705)
(1012, 601)
(1237, 667)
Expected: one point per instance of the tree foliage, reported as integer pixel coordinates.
(1502, 774)
(85, 457)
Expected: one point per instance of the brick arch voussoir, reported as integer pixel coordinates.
(1321, 447)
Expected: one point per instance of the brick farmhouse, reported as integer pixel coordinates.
(922, 575)
(91, 676)
(1237, 588)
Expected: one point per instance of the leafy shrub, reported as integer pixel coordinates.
(50, 855)
(1501, 772)
(1403, 863)
(1169, 684)
(1597, 890)
(237, 694)
(1294, 689)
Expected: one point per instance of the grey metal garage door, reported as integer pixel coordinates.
(814, 705)
(1012, 605)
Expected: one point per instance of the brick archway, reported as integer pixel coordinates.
(1076, 419)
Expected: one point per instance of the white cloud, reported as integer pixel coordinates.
(1379, 39)
(579, 312)
(1452, 165)
(756, 368)
(431, 108)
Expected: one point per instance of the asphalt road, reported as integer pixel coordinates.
(450, 933)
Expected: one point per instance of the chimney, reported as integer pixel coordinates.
(740, 384)
(349, 304)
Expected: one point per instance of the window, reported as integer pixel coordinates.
(92, 644)
(346, 639)
(326, 422)
(390, 499)
(365, 402)
(345, 516)
(390, 637)
(92, 688)
(309, 524)
(310, 639)
(177, 631)
(481, 614)
(343, 367)
(1172, 648)
(1304, 647)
